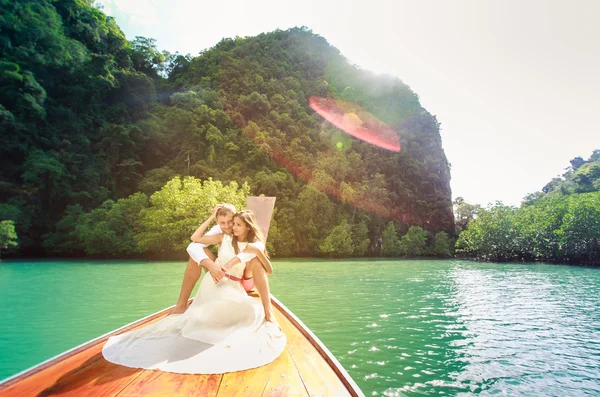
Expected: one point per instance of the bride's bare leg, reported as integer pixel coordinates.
(257, 271)
(191, 276)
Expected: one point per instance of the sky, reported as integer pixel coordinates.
(514, 84)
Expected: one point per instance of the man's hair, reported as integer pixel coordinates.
(226, 209)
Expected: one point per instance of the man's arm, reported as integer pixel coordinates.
(200, 232)
(216, 229)
(209, 254)
(203, 257)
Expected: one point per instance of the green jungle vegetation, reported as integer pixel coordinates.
(114, 148)
(560, 223)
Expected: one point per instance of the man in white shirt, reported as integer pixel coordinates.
(200, 256)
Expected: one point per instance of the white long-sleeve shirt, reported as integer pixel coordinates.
(196, 250)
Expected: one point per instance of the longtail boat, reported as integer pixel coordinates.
(305, 368)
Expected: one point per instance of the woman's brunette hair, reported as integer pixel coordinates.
(254, 234)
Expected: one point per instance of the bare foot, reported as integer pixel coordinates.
(178, 310)
(271, 322)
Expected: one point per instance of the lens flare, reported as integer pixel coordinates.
(351, 121)
(354, 120)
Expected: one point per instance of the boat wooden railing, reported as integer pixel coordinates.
(339, 370)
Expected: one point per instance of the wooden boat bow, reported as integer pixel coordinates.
(305, 368)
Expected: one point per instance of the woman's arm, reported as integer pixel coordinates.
(260, 255)
(254, 251)
(231, 263)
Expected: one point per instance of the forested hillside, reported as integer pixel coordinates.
(582, 176)
(92, 125)
(560, 223)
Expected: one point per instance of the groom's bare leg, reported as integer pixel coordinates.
(190, 277)
(257, 272)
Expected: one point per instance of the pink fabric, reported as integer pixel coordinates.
(234, 278)
(248, 284)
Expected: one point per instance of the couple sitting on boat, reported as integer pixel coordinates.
(223, 330)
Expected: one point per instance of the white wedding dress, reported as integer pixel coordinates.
(223, 330)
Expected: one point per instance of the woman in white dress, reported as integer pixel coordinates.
(223, 330)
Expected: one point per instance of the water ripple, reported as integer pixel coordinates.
(462, 328)
(400, 328)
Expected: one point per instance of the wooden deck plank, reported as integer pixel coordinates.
(250, 382)
(286, 381)
(100, 378)
(36, 383)
(316, 374)
(157, 384)
(52, 373)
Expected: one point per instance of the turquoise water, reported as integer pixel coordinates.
(410, 327)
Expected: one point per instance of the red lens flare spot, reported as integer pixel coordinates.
(354, 120)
